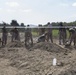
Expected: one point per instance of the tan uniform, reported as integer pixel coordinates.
(41, 31)
(0, 42)
(72, 36)
(48, 33)
(12, 35)
(28, 36)
(4, 36)
(16, 34)
(62, 36)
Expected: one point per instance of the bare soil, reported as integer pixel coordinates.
(15, 59)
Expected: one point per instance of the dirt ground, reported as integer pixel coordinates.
(15, 59)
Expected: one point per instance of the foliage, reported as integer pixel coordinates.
(14, 23)
(22, 24)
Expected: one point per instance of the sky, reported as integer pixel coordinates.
(37, 11)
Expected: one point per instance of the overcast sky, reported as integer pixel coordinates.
(37, 11)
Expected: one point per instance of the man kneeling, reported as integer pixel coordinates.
(41, 38)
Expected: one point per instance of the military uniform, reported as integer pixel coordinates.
(4, 36)
(48, 33)
(0, 42)
(28, 36)
(41, 30)
(17, 36)
(62, 34)
(72, 36)
(12, 35)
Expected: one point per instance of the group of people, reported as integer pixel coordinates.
(14, 35)
(63, 35)
(45, 34)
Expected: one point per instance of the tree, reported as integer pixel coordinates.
(14, 23)
(22, 24)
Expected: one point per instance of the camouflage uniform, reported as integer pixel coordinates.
(62, 34)
(48, 33)
(4, 36)
(13, 35)
(41, 30)
(72, 36)
(17, 36)
(28, 36)
(0, 42)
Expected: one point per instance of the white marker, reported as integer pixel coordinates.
(54, 62)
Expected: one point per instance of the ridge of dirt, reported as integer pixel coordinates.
(38, 61)
(15, 44)
(47, 46)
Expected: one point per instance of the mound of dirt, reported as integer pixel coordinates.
(15, 44)
(37, 62)
(52, 47)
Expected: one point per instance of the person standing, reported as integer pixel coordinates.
(12, 35)
(17, 36)
(62, 34)
(4, 36)
(41, 30)
(28, 36)
(72, 36)
(48, 33)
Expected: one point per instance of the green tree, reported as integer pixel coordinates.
(14, 23)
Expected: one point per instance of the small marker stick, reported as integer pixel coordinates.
(54, 62)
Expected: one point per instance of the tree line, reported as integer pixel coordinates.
(15, 23)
